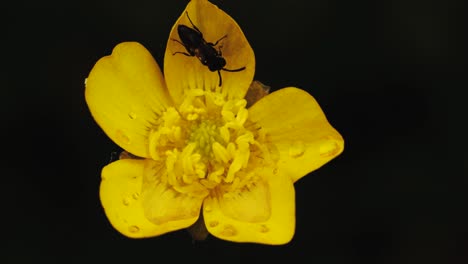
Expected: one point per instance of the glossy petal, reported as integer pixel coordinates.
(126, 93)
(298, 128)
(165, 206)
(183, 72)
(264, 214)
(123, 201)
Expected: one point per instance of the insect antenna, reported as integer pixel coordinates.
(195, 27)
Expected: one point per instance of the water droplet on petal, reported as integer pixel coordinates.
(133, 229)
(264, 229)
(208, 209)
(120, 136)
(132, 115)
(329, 148)
(135, 196)
(126, 201)
(213, 223)
(228, 231)
(297, 149)
(195, 212)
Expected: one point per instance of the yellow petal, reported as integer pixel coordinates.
(298, 128)
(121, 198)
(250, 205)
(183, 72)
(266, 214)
(163, 205)
(126, 93)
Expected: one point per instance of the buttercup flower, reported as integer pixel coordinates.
(202, 148)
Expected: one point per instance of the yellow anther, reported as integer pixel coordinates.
(246, 156)
(208, 184)
(241, 103)
(242, 116)
(247, 137)
(215, 175)
(236, 165)
(171, 117)
(192, 117)
(227, 116)
(218, 99)
(177, 134)
(187, 179)
(220, 153)
(200, 170)
(224, 132)
(228, 106)
(187, 159)
(188, 150)
(187, 165)
(195, 157)
(231, 148)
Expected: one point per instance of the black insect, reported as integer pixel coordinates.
(193, 41)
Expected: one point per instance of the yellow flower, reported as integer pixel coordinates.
(202, 149)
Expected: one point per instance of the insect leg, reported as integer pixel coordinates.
(234, 70)
(185, 53)
(216, 43)
(178, 42)
(181, 52)
(220, 79)
(228, 70)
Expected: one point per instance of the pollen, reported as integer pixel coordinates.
(208, 144)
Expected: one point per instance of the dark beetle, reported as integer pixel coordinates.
(193, 41)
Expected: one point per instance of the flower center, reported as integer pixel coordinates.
(205, 134)
(208, 144)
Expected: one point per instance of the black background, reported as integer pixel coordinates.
(388, 74)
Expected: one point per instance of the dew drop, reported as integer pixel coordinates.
(195, 212)
(126, 201)
(329, 148)
(133, 229)
(135, 196)
(264, 229)
(132, 115)
(213, 223)
(208, 208)
(122, 137)
(297, 149)
(228, 231)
